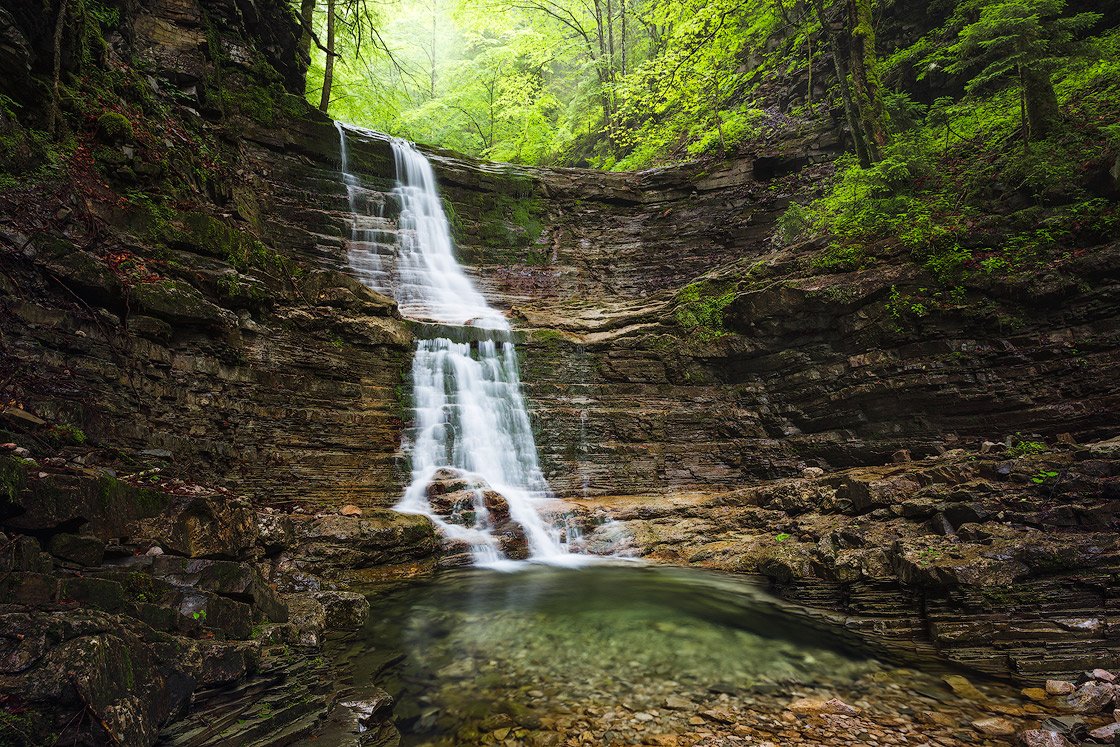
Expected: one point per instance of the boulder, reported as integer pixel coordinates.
(205, 526)
(77, 548)
(275, 532)
(332, 544)
(181, 304)
(238, 581)
(1059, 687)
(1107, 733)
(213, 527)
(99, 505)
(1091, 697)
(343, 610)
(309, 618)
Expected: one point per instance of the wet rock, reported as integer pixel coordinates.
(343, 610)
(1091, 697)
(994, 727)
(1059, 687)
(275, 532)
(1043, 738)
(1107, 733)
(512, 540)
(210, 526)
(181, 304)
(334, 544)
(77, 548)
(962, 687)
(100, 505)
(309, 618)
(131, 681)
(236, 580)
(807, 706)
(678, 703)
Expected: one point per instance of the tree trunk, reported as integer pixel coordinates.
(1040, 103)
(601, 65)
(622, 6)
(865, 76)
(845, 91)
(435, 35)
(809, 85)
(307, 14)
(56, 71)
(328, 67)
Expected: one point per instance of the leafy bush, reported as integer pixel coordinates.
(701, 307)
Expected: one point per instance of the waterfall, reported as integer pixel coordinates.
(470, 414)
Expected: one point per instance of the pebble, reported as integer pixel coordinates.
(677, 703)
(962, 687)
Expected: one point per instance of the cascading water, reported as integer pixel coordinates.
(469, 411)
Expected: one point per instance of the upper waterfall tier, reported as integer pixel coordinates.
(420, 271)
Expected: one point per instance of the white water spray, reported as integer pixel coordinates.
(469, 411)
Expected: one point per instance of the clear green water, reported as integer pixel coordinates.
(474, 651)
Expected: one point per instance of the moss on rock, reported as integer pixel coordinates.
(114, 127)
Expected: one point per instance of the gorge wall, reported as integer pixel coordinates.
(690, 374)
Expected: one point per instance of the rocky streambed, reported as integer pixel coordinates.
(625, 654)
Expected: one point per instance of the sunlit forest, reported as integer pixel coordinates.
(625, 84)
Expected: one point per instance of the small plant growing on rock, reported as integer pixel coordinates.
(1023, 447)
(200, 616)
(68, 434)
(1043, 476)
(782, 537)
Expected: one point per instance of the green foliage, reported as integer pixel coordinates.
(1010, 36)
(700, 308)
(958, 194)
(1023, 447)
(67, 434)
(531, 82)
(782, 537)
(795, 222)
(1043, 476)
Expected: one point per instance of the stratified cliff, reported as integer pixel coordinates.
(194, 386)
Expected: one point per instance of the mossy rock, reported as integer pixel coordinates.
(13, 477)
(113, 127)
(179, 303)
(101, 505)
(80, 271)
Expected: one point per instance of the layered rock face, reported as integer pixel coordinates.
(607, 274)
